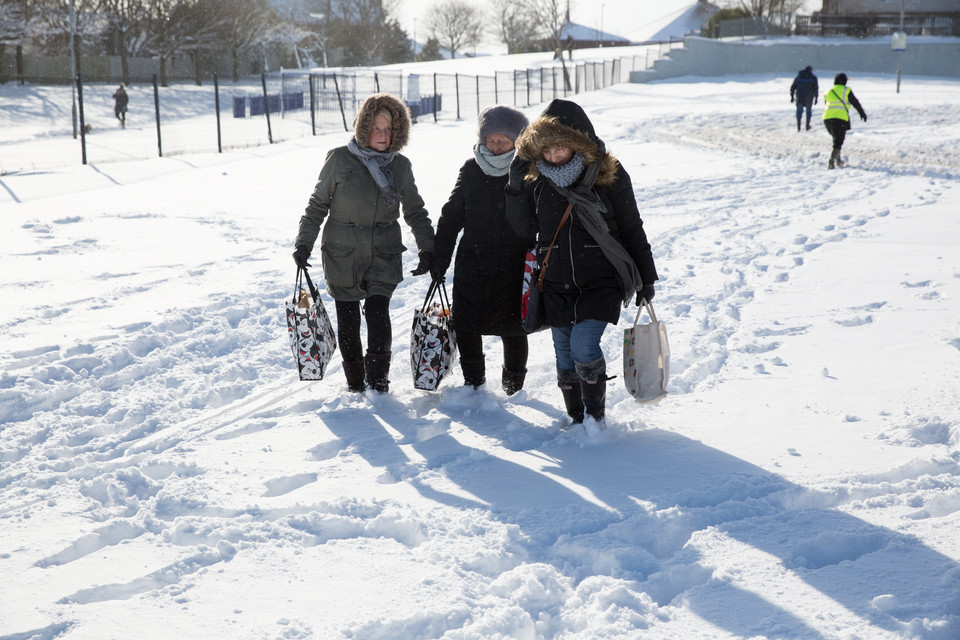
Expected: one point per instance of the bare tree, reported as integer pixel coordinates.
(780, 11)
(516, 25)
(456, 24)
(126, 19)
(552, 16)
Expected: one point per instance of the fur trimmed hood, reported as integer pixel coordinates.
(565, 124)
(399, 115)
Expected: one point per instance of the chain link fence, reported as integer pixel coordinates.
(191, 119)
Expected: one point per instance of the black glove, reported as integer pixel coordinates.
(791, 99)
(864, 117)
(814, 99)
(518, 169)
(437, 273)
(426, 261)
(301, 255)
(646, 293)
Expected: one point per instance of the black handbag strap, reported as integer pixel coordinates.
(546, 260)
(298, 285)
(437, 288)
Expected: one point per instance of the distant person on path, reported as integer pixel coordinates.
(566, 189)
(836, 115)
(120, 100)
(488, 274)
(804, 91)
(357, 201)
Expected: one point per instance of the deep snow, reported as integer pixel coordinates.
(163, 473)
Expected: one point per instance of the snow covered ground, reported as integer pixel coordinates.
(164, 474)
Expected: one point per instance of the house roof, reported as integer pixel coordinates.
(588, 34)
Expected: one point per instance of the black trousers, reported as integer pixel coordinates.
(515, 349)
(838, 129)
(376, 310)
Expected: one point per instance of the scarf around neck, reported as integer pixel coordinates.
(493, 165)
(565, 175)
(588, 208)
(376, 163)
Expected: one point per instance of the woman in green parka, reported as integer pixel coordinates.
(359, 194)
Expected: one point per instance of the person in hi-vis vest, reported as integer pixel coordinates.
(836, 115)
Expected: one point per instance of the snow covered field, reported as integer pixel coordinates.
(164, 474)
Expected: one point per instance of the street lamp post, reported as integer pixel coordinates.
(73, 68)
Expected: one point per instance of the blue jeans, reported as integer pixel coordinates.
(801, 107)
(579, 343)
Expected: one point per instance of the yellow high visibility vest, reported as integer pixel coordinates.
(836, 104)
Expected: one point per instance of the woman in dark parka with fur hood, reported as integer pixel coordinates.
(357, 202)
(488, 274)
(601, 258)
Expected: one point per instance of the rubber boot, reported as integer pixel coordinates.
(593, 387)
(474, 372)
(798, 124)
(569, 383)
(354, 372)
(512, 381)
(378, 372)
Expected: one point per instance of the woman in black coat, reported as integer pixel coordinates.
(601, 258)
(488, 274)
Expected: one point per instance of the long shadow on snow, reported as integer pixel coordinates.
(646, 493)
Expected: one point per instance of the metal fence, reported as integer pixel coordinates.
(862, 26)
(175, 120)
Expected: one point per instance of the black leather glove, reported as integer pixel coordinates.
(791, 99)
(864, 117)
(646, 293)
(437, 273)
(426, 261)
(301, 255)
(814, 99)
(518, 169)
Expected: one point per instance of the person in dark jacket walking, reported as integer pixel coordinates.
(357, 201)
(836, 115)
(601, 258)
(120, 101)
(488, 274)
(804, 92)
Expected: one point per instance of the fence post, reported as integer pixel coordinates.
(83, 129)
(340, 102)
(156, 110)
(216, 101)
(456, 85)
(528, 87)
(478, 90)
(266, 106)
(435, 98)
(313, 106)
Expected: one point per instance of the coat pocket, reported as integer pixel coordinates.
(339, 264)
(387, 265)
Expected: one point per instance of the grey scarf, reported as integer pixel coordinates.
(564, 175)
(587, 207)
(493, 165)
(376, 163)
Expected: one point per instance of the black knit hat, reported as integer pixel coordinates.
(500, 119)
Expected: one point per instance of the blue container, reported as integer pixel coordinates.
(239, 107)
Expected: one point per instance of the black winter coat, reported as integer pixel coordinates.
(488, 273)
(580, 282)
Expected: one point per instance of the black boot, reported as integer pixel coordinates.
(354, 374)
(593, 387)
(378, 372)
(808, 123)
(474, 372)
(834, 157)
(798, 124)
(512, 381)
(569, 383)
